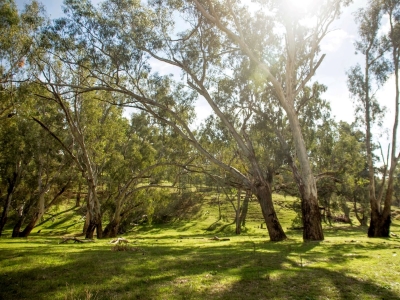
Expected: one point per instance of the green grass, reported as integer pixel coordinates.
(179, 261)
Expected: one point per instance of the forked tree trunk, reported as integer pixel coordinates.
(94, 224)
(379, 225)
(381, 219)
(264, 196)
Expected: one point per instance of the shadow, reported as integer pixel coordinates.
(54, 216)
(192, 269)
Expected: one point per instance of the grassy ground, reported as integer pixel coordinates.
(180, 261)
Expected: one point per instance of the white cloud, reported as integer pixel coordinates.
(335, 39)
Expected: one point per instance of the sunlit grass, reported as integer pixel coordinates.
(180, 261)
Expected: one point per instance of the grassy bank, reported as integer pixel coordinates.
(181, 261)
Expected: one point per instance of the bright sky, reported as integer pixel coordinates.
(339, 49)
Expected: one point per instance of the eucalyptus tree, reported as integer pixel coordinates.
(16, 43)
(50, 171)
(17, 31)
(94, 129)
(112, 46)
(14, 157)
(381, 57)
(280, 43)
(119, 37)
(140, 161)
(337, 152)
(32, 166)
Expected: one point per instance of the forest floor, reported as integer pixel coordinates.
(181, 260)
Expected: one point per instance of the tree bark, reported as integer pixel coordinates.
(41, 209)
(78, 195)
(237, 219)
(94, 213)
(112, 228)
(379, 225)
(264, 196)
(17, 227)
(245, 208)
(306, 183)
(6, 209)
(28, 229)
(7, 205)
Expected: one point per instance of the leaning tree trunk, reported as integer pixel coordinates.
(28, 229)
(6, 209)
(41, 209)
(112, 228)
(38, 214)
(17, 227)
(264, 196)
(7, 205)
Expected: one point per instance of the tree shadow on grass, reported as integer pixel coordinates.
(52, 217)
(203, 270)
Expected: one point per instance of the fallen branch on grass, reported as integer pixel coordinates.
(215, 238)
(76, 240)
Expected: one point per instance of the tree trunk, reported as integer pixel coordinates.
(86, 224)
(112, 228)
(94, 214)
(237, 219)
(362, 219)
(17, 227)
(6, 209)
(379, 225)
(245, 208)
(28, 229)
(311, 218)
(78, 196)
(41, 209)
(264, 196)
(94, 224)
(306, 183)
(381, 220)
(7, 204)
